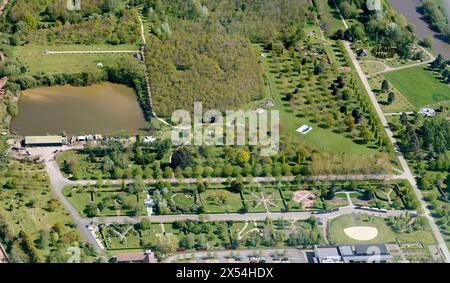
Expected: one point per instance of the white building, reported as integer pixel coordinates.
(427, 112)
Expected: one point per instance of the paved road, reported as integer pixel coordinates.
(398, 113)
(58, 182)
(2, 6)
(246, 217)
(388, 69)
(407, 172)
(48, 52)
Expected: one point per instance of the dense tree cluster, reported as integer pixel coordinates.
(440, 66)
(382, 28)
(194, 65)
(261, 21)
(97, 29)
(431, 138)
(98, 21)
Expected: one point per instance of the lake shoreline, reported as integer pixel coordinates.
(104, 108)
(411, 10)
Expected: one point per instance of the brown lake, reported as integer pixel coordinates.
(103, 108)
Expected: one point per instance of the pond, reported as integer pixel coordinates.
(103, 108)
(411, 10)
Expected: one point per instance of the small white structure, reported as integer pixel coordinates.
(263, 55)
(148, 139)
(98, 137)
(427, 112)
(100, 65)
(260, 111)
(304, 129)
(269, 102)
(81, 138)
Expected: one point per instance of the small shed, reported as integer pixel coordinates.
(361, 52)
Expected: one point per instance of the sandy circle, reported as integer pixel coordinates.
(361, 233)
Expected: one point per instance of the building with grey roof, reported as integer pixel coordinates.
(367, 253)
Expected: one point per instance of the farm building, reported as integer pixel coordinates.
(43, 141)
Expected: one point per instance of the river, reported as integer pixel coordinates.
(103, 108)
(410, 9)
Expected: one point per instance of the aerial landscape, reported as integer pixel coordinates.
(219, 131)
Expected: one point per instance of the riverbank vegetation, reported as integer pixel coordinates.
(435, 16)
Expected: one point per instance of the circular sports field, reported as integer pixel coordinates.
(361, 233)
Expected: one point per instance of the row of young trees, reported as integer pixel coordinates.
(441, 66)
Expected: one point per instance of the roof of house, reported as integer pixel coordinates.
(30, 140)
(371, 249)
(3, 81)
(327, 251)
(346, 250)
(136, 257)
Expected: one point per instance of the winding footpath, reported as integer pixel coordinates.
(73, 52)
(147, 79)
(3, 6)
(58, 182)
(407, 172)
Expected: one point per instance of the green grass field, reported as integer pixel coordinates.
(115, 202)
(33, 56)
(385, 233)
(221, 200)
(420, 86)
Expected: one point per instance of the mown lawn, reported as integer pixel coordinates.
(221, 200)
(385, 233)
(420, 86)
(115, 202)
(35, 59)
